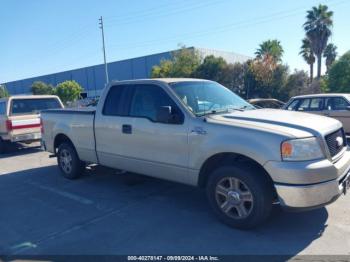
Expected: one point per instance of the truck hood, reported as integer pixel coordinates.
(291, 123)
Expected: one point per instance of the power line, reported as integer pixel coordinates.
(143, 12)
(220, 29)
(158, 14)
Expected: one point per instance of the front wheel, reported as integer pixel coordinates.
(68, 161)
(240, 196)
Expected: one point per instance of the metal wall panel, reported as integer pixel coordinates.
(139, 68)
(121, 70)
(92, 78)
(79, 75)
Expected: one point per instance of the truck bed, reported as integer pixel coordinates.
(77, 124)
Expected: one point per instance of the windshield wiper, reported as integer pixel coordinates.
(226, 110)
(242, 108)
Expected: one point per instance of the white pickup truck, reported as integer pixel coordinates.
(199, 133)
(20, 118)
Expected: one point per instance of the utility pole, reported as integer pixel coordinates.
(104, 48)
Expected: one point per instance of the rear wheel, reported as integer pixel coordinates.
(68, 161)
(240, 196)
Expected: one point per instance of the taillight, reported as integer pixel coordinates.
(41, 126)
(9, 126)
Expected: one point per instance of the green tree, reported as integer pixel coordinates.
(68, 91)
(217, 69)
(3, 92)
(318, 28)
(234, 77)
(41, 88)
(163, 70)
(212, 68)
(278, 84)
(308, 55)
(183, 63)
(330, 53)
(270, 49)
(297, 83)
(339, 75)
(263, 80)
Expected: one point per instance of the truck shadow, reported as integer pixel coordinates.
(106, 212)
(17, 149)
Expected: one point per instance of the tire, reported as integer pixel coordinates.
(68, 161)
(240, 196)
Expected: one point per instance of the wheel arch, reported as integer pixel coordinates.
(61, 138)
(227, 158)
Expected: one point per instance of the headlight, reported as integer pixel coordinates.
(301, 149)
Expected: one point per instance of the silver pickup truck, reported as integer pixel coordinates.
(199, 133)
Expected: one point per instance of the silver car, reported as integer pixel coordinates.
(332, 105)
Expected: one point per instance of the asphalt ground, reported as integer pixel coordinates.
(106, 212)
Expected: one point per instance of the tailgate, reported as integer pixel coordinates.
(24, 127)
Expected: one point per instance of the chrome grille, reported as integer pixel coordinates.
(332, 141)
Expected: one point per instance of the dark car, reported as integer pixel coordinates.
(266, 103)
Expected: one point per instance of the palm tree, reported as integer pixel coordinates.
(270, 49)
(308, 55)
(330, 53)
(318, 27)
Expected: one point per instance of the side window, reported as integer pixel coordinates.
(2, 108)
(304, 105)
(147, 99)
(113, 104)
(316, 104)
(336, 103)
(293, 104)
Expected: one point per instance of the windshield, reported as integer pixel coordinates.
(206, 97)
(35, 105)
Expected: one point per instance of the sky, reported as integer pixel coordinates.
(40, 37)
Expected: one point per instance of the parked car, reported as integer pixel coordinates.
(332, 105)
(199, 133)
(266, 103)
(20, 118)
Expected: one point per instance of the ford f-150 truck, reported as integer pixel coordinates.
(20, 118)
(199, 133)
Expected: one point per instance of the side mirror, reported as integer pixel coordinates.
(166, 115)
(348, 108)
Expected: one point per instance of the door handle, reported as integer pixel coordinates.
(127, 129)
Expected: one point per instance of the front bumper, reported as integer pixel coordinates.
(310, 184)
(296, 197)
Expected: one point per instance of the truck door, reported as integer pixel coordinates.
(133, 140)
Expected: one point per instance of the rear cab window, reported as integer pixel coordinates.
(20, 106)
(116, 100)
